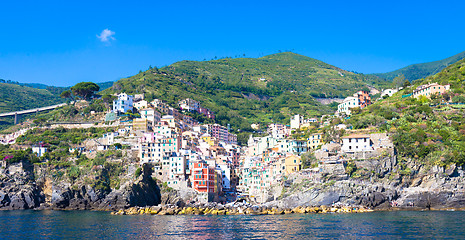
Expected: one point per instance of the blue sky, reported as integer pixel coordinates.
(61, 43)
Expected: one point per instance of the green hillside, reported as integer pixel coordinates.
(246, 90)
(14, 97)
(274, 74)
(422, 70)
(430, 131)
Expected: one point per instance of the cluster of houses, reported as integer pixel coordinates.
(267, 160)
(361, 99)
(271, 159)
(185, 153)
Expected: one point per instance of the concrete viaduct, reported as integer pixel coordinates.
(35, 110)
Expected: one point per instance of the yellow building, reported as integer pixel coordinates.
(314, 141)
(430, 89)
(209, 139)
(140, 124)
(292, 164)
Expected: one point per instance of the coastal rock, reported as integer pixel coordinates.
(144, 192)
(19, 190)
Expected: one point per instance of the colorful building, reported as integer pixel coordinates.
(430, 89)
(360, 99)
(203, 177)
(314, 141)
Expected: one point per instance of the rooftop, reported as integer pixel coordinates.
(357, 136)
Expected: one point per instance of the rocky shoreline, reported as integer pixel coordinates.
(24, 186)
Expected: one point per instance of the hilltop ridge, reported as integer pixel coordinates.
(422, 70)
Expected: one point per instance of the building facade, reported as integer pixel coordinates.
(203, 177)
(123, 103)
(356, 143)
(314, 141)
(430, 89)
(189, 105)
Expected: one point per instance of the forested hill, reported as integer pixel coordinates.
(242, 91)
(15, 97)
(274, 74)
(422, 70)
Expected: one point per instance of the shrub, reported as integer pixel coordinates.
(138, 172)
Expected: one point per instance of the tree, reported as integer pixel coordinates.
(85, 90)
(309, 160)
(406, 84)
(108, 99)
(399, 81)
(67, 95)
(331, 133)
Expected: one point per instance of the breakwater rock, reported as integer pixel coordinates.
(234, 209)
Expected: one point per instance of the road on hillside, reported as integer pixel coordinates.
(31, 110)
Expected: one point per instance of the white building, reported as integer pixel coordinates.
(202, 129)
(141, 104)
(311, 120)
(150, 114)
(226, 175)
(388, 92)
(154, 148)
(169, 119)
(347, 104)
(356, 143)
(123, 103)
(189, 105)
(177, 167)
(277, 130)
(39, 151)
(296, 121)
(108, 138)
(256, 146)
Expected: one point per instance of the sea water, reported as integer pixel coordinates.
(101, 225)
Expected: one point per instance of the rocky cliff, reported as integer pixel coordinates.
(384, 183)
(22, 188)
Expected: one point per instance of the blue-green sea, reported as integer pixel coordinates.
(102, 225)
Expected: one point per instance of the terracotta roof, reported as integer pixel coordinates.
(357, 136)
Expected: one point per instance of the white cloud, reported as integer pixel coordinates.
(106, 35)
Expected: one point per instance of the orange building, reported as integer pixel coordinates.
(203, 177)
(364, 98)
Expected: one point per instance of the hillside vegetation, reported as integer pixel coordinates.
(246, 90)
(422, 70)
(429, 131)
(15, 97)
